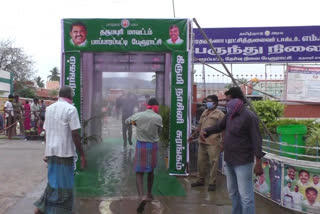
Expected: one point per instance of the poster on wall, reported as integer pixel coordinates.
(303, 84)
(269, 183)
(301, 190)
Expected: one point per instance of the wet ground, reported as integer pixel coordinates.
(107, 186)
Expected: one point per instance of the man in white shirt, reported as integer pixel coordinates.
(62, 126)
(174, 33)
(261, 185)
(315, 180)
(310, 204)
(9, 114)
(297, 198)
(287, 189)
(35, 112)
(291, 174)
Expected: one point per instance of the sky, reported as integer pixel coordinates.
(35, 25)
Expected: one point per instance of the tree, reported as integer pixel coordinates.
(55, 75)
(40, 82)
(13, 59)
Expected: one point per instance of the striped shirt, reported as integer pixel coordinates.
(61, 119)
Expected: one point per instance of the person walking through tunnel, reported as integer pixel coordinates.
(209, 150)
(242, 142)
(148, 127)
(62, 126)
(127, 104)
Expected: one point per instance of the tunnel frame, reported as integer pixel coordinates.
(138, 35)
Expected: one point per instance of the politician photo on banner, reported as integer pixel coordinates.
(301, 189)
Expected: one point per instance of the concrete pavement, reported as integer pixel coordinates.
(21, 171)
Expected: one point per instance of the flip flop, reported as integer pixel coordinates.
(141, 206)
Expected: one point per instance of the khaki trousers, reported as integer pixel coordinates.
(208, 160)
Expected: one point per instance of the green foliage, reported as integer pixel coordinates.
(26, 92)
(164, 111)
(14, 60)
(40, 82)
(55, 75)
(312, 139)
(268, 110)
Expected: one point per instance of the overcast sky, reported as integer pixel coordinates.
(35, 25)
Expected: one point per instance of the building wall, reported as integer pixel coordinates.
(302, 111)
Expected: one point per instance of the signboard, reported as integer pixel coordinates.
(179, 106)
(124, 37)
(303, 84)
(125, 34)
(259, 44)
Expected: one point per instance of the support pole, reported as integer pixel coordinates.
(231, 76)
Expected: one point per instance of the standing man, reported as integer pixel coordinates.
(128, 103)
(35, 112)
(9, 115)
(42, 109)
(18, 110)
(148, 126)
(210, 148)
(62, 139)
(242, 142)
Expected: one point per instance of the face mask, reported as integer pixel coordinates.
(210, 105)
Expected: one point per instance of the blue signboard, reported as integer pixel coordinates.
(259, 44)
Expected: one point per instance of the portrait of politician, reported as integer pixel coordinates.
(174, 33)
(78, 34)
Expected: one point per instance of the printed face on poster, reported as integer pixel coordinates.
(301, 189)
(269, 183)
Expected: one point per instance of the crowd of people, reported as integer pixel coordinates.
(22, 119)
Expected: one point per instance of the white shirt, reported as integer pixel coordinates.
(61, 119)
(9, 107)
(316, 185)
(262, 188)
(287, 191)
(287, 178)
(179, 41)
(311, 208)
(84, 43)
(297, 200)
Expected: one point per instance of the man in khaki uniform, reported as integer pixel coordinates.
(209, 150)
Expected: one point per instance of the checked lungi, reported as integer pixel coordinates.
(58, 196)
(146, 156)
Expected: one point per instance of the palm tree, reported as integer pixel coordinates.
(55, 75)
(40, 82)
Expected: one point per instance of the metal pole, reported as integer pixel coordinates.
(204, 80)
(174, 11)
(231, 76)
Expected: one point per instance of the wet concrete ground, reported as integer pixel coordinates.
(107, 186)
(114, 188)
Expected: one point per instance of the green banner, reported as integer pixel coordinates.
(179, 110)
(72, 77)
(125, 34)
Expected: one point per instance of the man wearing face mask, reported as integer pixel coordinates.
(210, 148)
(242, 144)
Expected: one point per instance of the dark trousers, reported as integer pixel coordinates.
(126, 129)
